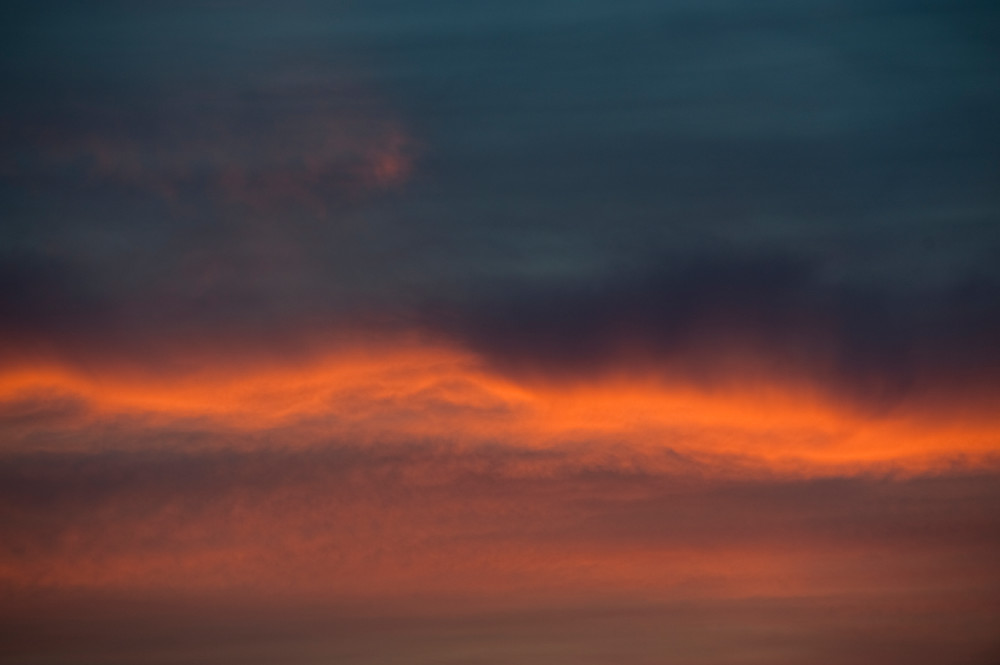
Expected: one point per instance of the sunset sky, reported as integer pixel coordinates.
(440, 332)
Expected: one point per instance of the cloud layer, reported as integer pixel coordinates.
(441, 332)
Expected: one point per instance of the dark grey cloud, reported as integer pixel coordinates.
(205, 172)
(701, 318)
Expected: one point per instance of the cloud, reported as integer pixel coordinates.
(397, 390)
(365, 522)
(260, 160)
(608, 332)
(427, 551)
(826, 631)
(720, 319)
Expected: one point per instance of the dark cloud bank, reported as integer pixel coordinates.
(702, 319)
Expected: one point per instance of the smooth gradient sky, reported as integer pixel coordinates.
(622, 332)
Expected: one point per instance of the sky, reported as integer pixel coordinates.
(500, 333)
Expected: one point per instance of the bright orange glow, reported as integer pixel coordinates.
(417, 391)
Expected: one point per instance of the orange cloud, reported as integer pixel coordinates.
(409, 477)
(415, 391)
